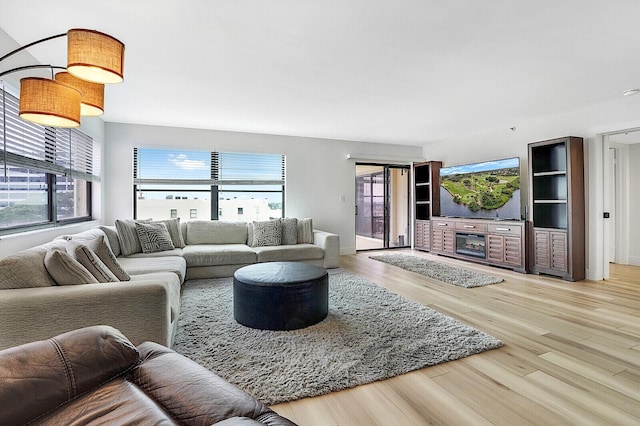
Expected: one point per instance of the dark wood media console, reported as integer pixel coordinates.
(499, 243)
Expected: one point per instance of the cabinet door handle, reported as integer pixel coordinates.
(442, 224)
(469, 226)
(503, 229)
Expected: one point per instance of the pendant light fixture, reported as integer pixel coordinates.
(49, 102)
(93, 59)
(92, 94)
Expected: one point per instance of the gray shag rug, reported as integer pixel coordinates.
(446, 273)
(370, 334)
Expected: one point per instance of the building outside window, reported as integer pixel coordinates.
(45, 173)
(217, 185)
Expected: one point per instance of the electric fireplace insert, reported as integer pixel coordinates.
(471, 245)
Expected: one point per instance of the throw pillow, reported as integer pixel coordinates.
(128, 236)
(65, 270)
(154, 237)
(90, 260)
(289, 230)
(305, 231)
(268, 233)
(173, 226)
(250, 234)
(112, 236)
(101, 247)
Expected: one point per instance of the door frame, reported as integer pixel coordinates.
(386, 203)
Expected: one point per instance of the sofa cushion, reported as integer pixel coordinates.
(216, 232)
(90, 260)
(146, 265)
(267, 233)
(305, 231)
(26, 269)
(289, 230)
(174, 252)
(101, 246)
(65, 270)
(289, 253)
(154, 237)
(175, 231)
(218, 254)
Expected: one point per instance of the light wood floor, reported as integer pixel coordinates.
(571, 355)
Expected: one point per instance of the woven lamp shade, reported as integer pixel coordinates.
(92, 94)
(95, 56)
(49, 102)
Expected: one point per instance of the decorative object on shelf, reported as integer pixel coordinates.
(557, 206)
(360, 341)
(454, 275)
(93, 59)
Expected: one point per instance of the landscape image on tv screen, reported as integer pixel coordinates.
(489, 189)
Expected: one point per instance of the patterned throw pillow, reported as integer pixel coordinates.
(173, 226)
(289, 230)
(128, 235)
(268, 233)
(154, 237)
(65, 270)
(305, 231)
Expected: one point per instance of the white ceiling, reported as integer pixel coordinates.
(382, 71)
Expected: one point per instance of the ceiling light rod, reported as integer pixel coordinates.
(29, 67)
(26, 46)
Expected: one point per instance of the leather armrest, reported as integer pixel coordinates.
(39, 376)
(193, 394)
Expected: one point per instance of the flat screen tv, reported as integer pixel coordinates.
(488, 190)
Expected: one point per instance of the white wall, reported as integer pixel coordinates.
(634, 204)
(318, 172)
(588, 123)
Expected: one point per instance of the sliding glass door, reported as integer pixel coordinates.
(382, 206)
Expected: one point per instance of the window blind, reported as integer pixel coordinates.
(167, 166)
(66, 152)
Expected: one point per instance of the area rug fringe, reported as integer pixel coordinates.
(442, 272)
(370, 334)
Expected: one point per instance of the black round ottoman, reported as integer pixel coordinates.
(280, 295)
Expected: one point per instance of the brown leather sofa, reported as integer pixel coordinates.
(95, 375)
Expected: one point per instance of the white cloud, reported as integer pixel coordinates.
(183, 161)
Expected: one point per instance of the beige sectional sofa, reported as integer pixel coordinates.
(33, 306)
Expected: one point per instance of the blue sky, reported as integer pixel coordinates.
(481, 167)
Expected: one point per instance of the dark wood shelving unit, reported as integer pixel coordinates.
(556, 203)
(426, 201)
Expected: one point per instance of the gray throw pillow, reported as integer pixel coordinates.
(154, 237)
(267, 233)
(128, 236)
(65, 270)
(90, 260)
(305, 231)
(101, 247)
(289, 230)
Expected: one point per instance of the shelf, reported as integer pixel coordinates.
(550, 202)
(551, 173)
(423, 184)
(423, 202)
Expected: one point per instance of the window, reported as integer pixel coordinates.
(193, 213)
(45, 173)
(174, 213)
(224, 186)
